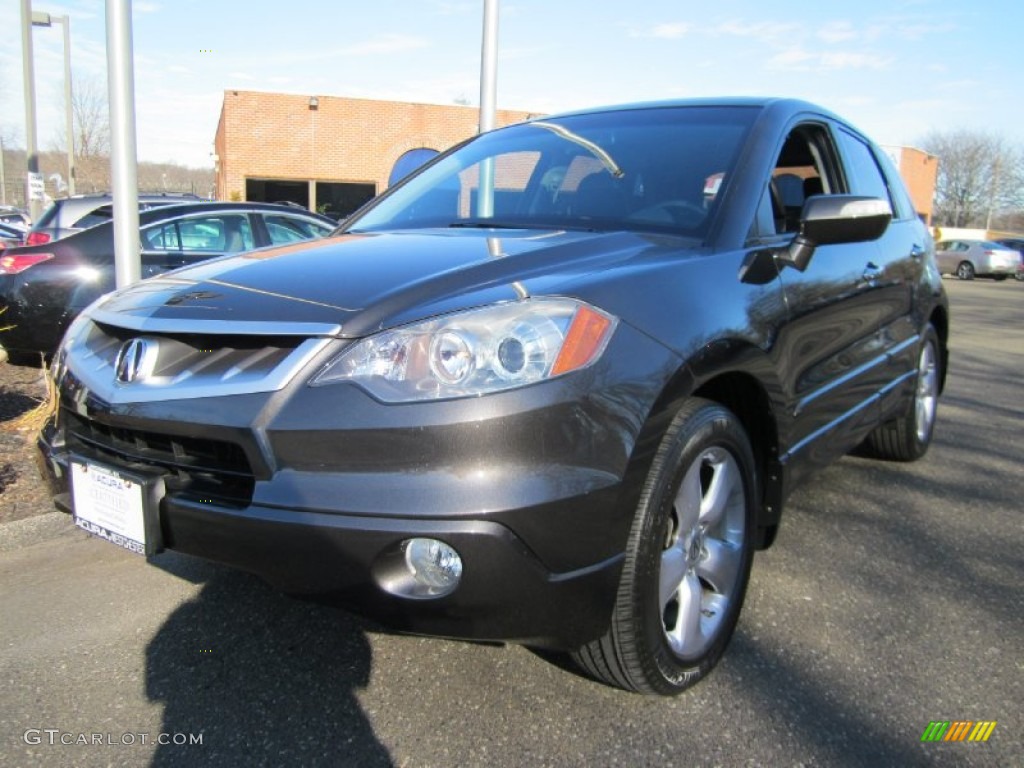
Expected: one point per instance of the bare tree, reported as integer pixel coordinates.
(981, 178)
(92, 135)
(92, 139)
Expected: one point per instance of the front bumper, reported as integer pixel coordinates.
(534, 488)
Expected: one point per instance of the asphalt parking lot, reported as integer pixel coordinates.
(892, 598)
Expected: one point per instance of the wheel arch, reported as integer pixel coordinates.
(740, 377)
(746, 396)
(939, 320)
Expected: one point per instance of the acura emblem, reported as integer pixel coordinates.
(136, 360)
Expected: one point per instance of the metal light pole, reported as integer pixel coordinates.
(124, 169)
(488, 90)
(33, 179)
(43, 19)
(489, 66)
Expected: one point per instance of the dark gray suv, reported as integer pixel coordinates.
(552, 388)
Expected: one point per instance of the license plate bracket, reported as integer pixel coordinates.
(120, 506)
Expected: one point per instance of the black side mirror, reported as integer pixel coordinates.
(835, 219)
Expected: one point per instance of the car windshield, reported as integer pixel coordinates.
(655, 169)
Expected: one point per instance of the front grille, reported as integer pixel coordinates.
(201, 469)
(189, 359)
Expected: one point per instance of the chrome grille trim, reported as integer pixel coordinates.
(157, 325)
(230, 364)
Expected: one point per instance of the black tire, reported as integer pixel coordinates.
(965, 270)
(907, 438)
(659, 642)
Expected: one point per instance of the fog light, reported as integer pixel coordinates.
(436, 567)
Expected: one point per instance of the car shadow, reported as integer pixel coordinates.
(257, 677)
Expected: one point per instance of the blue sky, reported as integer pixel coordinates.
(898, 68)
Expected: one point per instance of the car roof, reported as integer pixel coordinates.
(182, 209)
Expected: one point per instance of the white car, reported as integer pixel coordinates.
(970, 258)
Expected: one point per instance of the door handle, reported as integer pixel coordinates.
(871, 272)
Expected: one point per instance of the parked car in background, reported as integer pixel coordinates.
(11, 236)
(1017, 243)
(968, 259)
(44, 287)
(553, 388)
(15, 217)
(67, 215)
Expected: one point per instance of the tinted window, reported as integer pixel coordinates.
(287, 229)
(644, 169)
(865, 176)
(225, 233)
(903, 206)
(99, 216)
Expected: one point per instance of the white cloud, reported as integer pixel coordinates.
(664, 31)
(799, 59)
(847, 60)
(837, 32)
(385, 44)
(766, 31)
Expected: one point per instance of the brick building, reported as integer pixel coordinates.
(332, 153)
(919, 171)
(327, 152)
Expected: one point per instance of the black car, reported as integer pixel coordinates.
(44, 287)
(554, 388)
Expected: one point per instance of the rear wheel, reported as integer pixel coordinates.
(687, 560)
(965, 270)
(908, 437)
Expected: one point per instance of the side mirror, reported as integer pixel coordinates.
(835, 219)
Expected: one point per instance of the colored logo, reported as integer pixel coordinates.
(958, 730)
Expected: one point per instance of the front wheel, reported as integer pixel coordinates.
(965, 270)
(687, 559)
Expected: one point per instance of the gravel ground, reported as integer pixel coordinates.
(22, 494)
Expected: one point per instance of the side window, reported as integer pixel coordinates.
(804, 167)
(286, 229)
(865, 176)
(163, 237)
(228, 233)
(903, 206)
(98, 216)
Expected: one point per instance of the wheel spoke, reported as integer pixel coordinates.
(927, 390)
(720, 568)
(688, 499)
(719, 492)
(673, 570)
(685, 636)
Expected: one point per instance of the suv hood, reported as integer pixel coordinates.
(355, 284)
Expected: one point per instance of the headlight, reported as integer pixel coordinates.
(475, 352)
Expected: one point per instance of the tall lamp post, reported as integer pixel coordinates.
(42, 19)
(33, 179)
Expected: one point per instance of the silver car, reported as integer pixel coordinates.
(982, 258)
